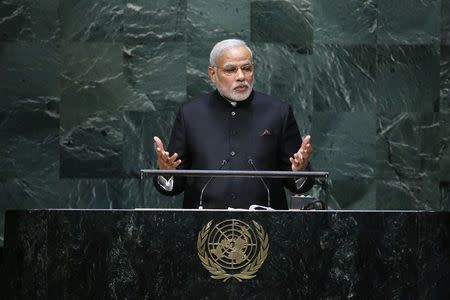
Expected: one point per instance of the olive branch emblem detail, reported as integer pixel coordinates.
(232, 249)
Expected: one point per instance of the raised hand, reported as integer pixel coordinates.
(165, 162)
(299, 161)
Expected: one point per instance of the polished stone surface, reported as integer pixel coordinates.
(84, 85)
(113, 254)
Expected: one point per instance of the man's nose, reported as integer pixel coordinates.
(240, 74)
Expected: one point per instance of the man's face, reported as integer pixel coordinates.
(233, 75)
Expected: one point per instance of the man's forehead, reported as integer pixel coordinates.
(237, 63)
(233, 56)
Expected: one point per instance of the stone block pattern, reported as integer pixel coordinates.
(152, 254)
(85, 84)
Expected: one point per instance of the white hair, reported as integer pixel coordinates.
(223, 46)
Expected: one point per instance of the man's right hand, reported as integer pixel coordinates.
(165, 162)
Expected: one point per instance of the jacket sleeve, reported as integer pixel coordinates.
(177, 144)
(291, 141)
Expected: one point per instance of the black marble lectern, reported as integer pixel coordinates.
(161, 254)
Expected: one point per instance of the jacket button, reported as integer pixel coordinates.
(233, 113)
(232, 153)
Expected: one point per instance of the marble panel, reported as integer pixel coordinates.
(93, 149)
(344, 144)
(29, 137)
(92, 80)
(319, 255)
(405, 147)
(408, 22)
(389, 264)
(285, 74)
(218, 20)
(350, 22)
(295, 30)
(408, 78)
(344, 78)
(445, 22)
(197, 62)
(444, 152)
(28, 69)
(353, 193)
(147, 22)
(30, 192)
(92, 21)
(444, 105)
(32, 282)
(444, 188)
(29, 20)
(434, 256)
(138, 132)
(155, 74)
(406, 194)
(94, 90)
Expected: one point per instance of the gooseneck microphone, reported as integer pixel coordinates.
(200, 205)
(250, 161)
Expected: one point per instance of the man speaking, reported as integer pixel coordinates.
(233, 128)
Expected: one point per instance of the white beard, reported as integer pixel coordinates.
(232, 94)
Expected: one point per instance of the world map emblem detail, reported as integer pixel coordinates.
(232, 249)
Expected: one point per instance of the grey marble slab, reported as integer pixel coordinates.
(407, 78)
(444, 88)
(444, 152)
(147, 22)
(214, 21)
(139, 130)
(344, 144)
(28, 69)
(445, 22)
(351, 22)
(345, 78)
(296, 30)
(29, 20)
(91, 21)
(408, 22)
(404, 147)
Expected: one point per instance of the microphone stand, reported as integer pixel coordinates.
(250, 161)
(200, 205)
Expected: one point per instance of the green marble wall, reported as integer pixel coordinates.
(84, 85)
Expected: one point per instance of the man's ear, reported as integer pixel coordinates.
(212, 74)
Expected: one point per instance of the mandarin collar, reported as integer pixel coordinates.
(242, 103)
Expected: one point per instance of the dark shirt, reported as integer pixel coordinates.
(209, 130)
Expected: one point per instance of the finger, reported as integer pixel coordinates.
(158, 143)
(163, 156)
(307, 152)
(177, 163)
(173, 157)
(159, 153)
(306, 141)
(298, 156)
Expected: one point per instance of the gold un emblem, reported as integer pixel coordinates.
(232, 249)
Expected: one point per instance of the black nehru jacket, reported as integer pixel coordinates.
(210, 129)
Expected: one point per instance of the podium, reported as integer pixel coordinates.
(215, 254)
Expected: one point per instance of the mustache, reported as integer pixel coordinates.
(244, 84)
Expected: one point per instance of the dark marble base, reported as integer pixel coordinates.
(118, 254)
(2, 279)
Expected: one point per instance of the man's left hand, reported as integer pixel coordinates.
(299, 161)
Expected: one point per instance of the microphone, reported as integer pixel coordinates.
(200, 205)
(250, 161)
